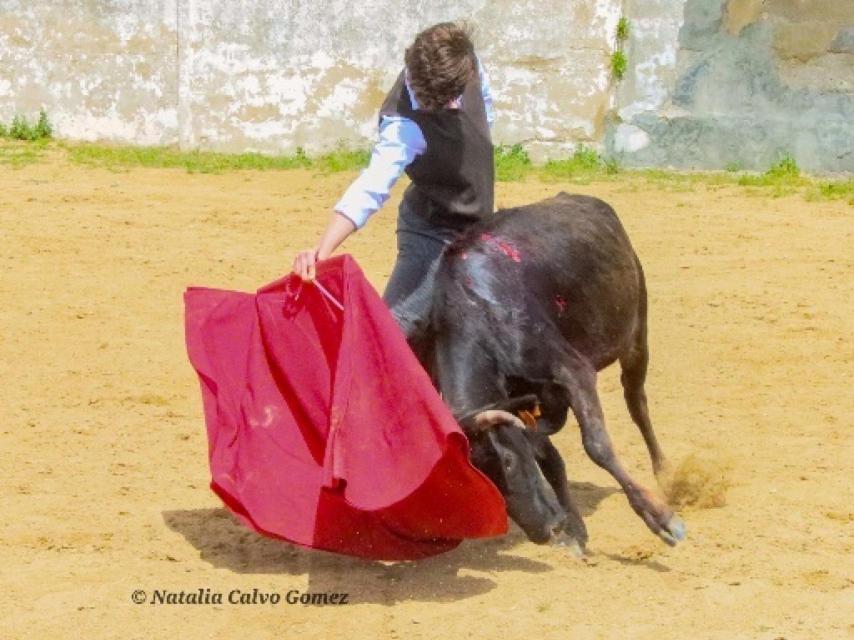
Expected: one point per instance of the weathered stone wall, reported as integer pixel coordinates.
(710, 82)
(103, 69)
(743, 82)
(273, 75)
(278, 74)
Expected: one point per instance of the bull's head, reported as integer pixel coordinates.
(501, 449)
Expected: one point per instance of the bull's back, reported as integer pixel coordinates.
(565, 262)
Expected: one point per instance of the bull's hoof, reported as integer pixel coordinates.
(576, 549)
(673, 531)
(575, 528)
(574, 546)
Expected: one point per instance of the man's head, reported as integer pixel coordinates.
(439, 63)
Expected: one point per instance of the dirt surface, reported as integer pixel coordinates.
(104, 451)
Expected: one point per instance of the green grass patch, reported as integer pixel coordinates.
(512, 163)
(783, 173)
(583, 166)
(619, 64)
(623, 29)
(832, 190)
(21, 129)
(342, 159)
(837, 190)
(783, 177)
(685, 179)
(114, 157)
(17, 154)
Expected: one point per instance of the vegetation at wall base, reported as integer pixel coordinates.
(583, 165)
(784, 172)
(18, 154)
(21, 129)
(342, 159)
(512, 164)
(122, 157)
(833, 190)
(784, 177)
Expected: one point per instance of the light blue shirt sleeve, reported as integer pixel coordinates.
(400, 142)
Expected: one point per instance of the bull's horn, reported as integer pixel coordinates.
(491, 417)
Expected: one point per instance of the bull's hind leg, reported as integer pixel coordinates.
(579, 377)
(634, 364)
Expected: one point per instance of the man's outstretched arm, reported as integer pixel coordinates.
(400, 143)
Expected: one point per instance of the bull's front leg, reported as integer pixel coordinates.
(553, 468)
(579, 378)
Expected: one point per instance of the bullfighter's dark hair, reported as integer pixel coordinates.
(439, 63)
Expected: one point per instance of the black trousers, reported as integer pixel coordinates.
(420, 243)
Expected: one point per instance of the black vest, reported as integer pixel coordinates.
(453, 181)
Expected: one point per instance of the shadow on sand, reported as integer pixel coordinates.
(225, 543)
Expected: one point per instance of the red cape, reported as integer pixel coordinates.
(323, 429)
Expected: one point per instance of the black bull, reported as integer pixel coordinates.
(520, 312)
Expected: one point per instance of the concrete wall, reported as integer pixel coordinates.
(710, 82)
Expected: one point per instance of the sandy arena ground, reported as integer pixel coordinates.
(104, 452)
